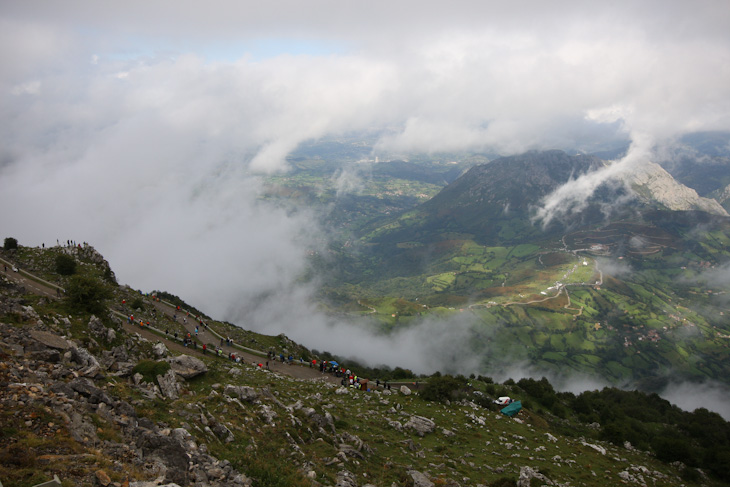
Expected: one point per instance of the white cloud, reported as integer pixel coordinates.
(151, 150)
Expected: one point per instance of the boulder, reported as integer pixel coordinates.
(420, 425)
(90, 366)
(598, 448)
(187, 367)
(169, 385)
(87, 389)
(50, 340)
(244, 393)
(97, 328)
(159, 349)
(169, 451)
(346, 479)
(405, 391)
(103, 478)
(527, 474)
(419, 479)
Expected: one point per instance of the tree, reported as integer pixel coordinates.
(443, 388)
(65, 265)
(10, 243)
(84, 293)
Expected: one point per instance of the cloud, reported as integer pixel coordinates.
(615, 268)
(348, 181)
(145, 128)
(428, 346)
(710, 395)
(574, 196)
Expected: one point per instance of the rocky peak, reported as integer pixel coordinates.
(652, 183)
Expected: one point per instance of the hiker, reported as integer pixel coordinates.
(205, 348)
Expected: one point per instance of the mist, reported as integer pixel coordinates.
(148, 130)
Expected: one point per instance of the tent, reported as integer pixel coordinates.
(512, 409)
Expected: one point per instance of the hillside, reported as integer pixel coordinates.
(111, 399)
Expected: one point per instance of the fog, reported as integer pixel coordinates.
(145, 129)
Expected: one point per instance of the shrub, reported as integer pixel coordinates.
(150, 369)
(443, 388)
(673, 450)
(65, 265)
(10, 243)
(87, 294)
(137, 303)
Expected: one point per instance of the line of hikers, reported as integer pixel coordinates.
(348, 378)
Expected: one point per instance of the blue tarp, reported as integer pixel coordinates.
(333, 363)
(512, 409)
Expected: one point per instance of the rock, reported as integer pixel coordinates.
(345, 479)
(90, 366)
(160, 350)
(93, 394)
(188, 367)
(102, 478)
(527, 474)
(169, 385)
(222, 432)
(420, 425)
(97, 328)
(551, 438)
(47, 355)
(405, 391)
(244, 393)
(599, 449)
(419, 479)
(325, 421)
(170, 453)
(50, 340)
(342, 390)
(30, 314)
(396, 425)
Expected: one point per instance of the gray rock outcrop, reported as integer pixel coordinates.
(420, 425)
(188, 367)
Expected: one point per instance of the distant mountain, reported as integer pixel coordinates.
(494, 202)
(631, 287)
(497, 202)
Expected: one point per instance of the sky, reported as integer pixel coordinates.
(144, 128)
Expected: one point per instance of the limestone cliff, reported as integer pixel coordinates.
(652, 183)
